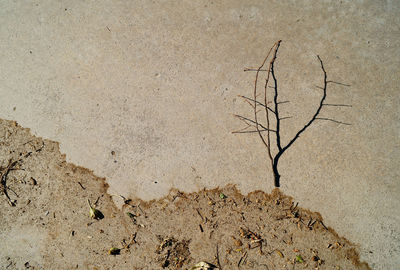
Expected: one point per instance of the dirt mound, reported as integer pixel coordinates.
(46, 223)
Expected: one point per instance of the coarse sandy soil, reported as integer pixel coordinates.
(45, 222)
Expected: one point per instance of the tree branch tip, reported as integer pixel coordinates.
(337, 105)
(333, 120)
(254, 69)
(282, 102)
(339, 83)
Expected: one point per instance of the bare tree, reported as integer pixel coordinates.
(272, 124)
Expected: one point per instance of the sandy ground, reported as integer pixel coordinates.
(156, 83)
(46, 222)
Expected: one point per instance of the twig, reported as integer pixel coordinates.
(132, 241)
(15, 193)
(338, 105)
(81, 186)
(141, 210)
(252, 131)
(97, 200)
(335, 121)
(339, 83)
(198, 212)
(294, 208)
(311, 224)
(4, 174)
(254, 69)
(243, 258)
(268, 142)
(323, 225)
(259, 103)
(218, 262)
(251, 121)
(283, 102)
(41, 147)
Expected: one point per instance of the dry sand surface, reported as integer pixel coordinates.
(45, 222)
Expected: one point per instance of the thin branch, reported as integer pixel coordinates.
(255, 96)
(258, 102)
(267, 116)
(217, 257)
(278, 137)
(286, 117)
(248, 102)
(4, 175)
(270, 70)
(283, 102)
(243, 120)
(339, 83)
(338, 105)
(15, 193)
(252, 121)
(243, 130)
(328, 119)
(254, 69)
(252, 131)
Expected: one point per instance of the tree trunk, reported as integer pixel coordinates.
(277, 176)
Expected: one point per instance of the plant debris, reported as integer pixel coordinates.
(95, 213)
(299, 259)
(173, 253)
(114, 251)
(203, 266)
